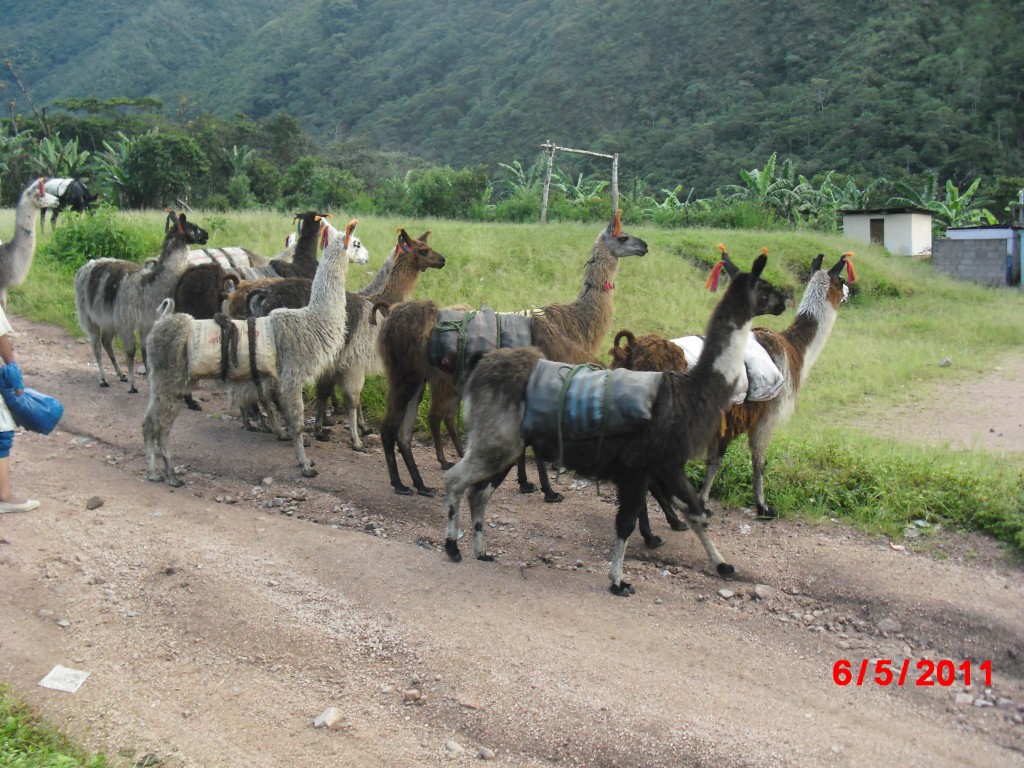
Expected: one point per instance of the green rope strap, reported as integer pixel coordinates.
(458, 326)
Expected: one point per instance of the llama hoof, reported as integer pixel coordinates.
(175, 482)
(323, 436)
(133, 391)
(486, 558)
(653, 542)
(364, 431)
(678, 525)
(553, 498)
(527, 488)
(123, 377)
(766, 513)
(446, 465)
(724, 569)
(403, 490)
(309, 472)
(155, 478)
(359, 448)
(193, 405)
(622, 589)
(428, 492)
(452, 548)
(104, 383)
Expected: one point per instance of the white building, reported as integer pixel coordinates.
(905, 231)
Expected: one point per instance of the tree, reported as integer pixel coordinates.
(162, 169)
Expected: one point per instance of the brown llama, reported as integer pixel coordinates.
(506, 397)
(569, 333)
(793, 351)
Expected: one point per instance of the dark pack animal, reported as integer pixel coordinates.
(71, 194)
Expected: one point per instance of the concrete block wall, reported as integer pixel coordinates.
(982, 261)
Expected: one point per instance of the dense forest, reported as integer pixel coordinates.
(688, 94)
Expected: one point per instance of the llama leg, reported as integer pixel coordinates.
(758, 439)
(129, 351)
(665, 502)
(435, 416)
(679, 487)
(405, 445)
(107, 340)
(324, 392)
(525, 486)
(551, 496)
(479, 495)
(353, 386)
(477, 471)
(716, 452)
(292, 413)
(402, 396)
(632, 499)
(191, 402)
(95, 337)
(156, 427)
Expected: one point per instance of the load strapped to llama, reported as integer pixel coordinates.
(214, 349)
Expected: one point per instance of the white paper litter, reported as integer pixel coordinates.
(64, 679)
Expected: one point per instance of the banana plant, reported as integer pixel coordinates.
(957, 209)
(57, 158)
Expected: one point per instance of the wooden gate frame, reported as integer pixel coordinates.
(551, 148)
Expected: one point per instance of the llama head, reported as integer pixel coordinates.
(192, 234)
(750, 295)
(826, 288)
(619, 243)
(419, 252)
(36, 195)
(356, 251)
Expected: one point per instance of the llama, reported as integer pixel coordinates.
(305, 342)
(16, 256)
(569, 333)
(793, 351)
(71, 194)
(683, 411)
(114, 297)
(359, 356)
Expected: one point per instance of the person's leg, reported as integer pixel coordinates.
(7, 495)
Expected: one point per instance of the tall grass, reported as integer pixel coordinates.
(901, 320)
(26, 741)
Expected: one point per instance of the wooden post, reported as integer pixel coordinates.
(615, 183)
(550, 148)
(547, 182)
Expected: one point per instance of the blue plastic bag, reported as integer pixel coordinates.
(31, 409)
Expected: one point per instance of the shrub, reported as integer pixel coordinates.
(448, 193)
(99, 234)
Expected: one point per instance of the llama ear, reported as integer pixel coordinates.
(349, 230)
(42, 185)
(730, 268)
(759, 264)
(816, 264)
(172, 220)
(404, 241)
(181, 224)
(425, 235)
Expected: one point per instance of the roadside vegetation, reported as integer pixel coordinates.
(27, 741)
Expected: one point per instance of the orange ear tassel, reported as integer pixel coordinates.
(848, 258)
(712, 282)
(764, 251)
(617, 223)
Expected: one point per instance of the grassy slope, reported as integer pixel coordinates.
(901, 321)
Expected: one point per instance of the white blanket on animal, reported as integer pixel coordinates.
(232, 258)
(761, 379)
(204, 350)
(56, 187)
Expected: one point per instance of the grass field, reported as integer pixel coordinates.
(902, 318)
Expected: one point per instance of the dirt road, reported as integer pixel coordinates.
(218, 620)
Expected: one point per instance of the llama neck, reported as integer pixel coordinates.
(813, 323)
(722, 361)
(171, 265)
(305, 248)
(595, 306)
(327, 294)
(23, 244)
(400, 284)
(379, 280)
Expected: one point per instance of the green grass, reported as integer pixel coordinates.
(901, 320)
(26, 741)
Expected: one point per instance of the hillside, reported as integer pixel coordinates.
(686, 93)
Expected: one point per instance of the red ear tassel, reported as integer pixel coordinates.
(712, 283)
(325, 237)
(848, 258)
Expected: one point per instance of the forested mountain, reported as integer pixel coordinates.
(686, 93)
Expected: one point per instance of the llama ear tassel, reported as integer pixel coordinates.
(712, 282)
(848, 258)
(617, 223)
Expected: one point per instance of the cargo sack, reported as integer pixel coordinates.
(232, 350)
(760, 379)
(583, 402)
(459, 336)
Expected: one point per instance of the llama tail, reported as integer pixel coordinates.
(164, 308)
